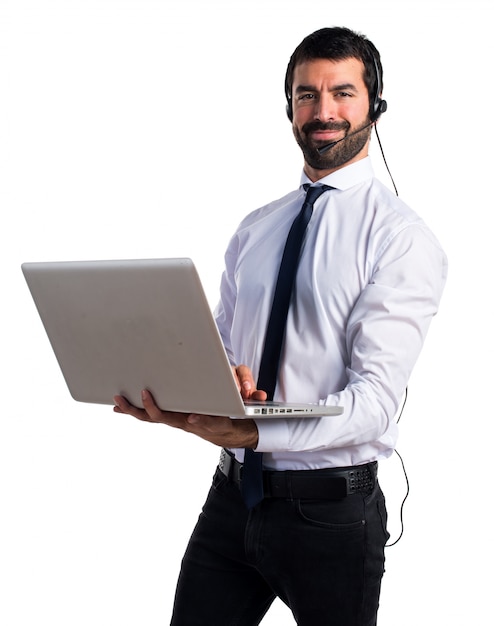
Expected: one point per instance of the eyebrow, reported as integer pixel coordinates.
(342, 87)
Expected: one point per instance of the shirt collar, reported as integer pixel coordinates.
(347, 176)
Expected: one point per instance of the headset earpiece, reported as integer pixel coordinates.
(379, 106)
(289, 110)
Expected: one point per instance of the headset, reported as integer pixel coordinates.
(377, 107)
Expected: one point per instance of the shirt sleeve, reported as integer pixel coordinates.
(384, 336)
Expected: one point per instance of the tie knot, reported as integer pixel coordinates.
(314, 191)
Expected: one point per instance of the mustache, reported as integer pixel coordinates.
(310, 127)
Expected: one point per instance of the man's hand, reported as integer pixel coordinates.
(246, 384)
(222, 431)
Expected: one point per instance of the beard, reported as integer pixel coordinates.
(340, 153)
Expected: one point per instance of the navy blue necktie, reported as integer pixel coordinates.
(252, 484)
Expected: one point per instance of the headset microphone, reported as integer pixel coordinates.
(328, 146)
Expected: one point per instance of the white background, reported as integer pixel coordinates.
(119, 121)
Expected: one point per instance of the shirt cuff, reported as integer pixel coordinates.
(274, 435)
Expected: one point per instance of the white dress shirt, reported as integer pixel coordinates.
(369, 281)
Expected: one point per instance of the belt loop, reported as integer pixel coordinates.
(289, 484)
(373, 470)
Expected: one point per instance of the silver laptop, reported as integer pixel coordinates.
(117, 327)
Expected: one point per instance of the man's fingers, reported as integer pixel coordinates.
(123, 406)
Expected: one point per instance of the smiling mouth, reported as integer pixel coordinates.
(318, 132)
(325, 135)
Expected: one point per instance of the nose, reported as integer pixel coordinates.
(324, 111)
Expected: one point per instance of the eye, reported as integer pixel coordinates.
(305, 97)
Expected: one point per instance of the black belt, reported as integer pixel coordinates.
(324, 484)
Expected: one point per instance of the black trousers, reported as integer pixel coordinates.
(324, 559)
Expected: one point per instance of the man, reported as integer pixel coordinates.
(369, 280)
